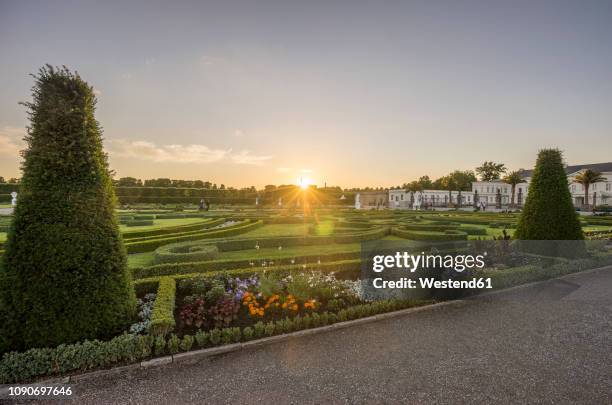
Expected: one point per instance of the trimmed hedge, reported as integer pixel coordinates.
(342, 269)
(171, 269)
(185, 252)
(205, 224)
(162, 316)
(150, 245)
(88, 355)
(139, 222)
(424, 235)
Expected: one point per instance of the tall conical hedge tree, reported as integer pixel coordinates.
(548, 213)
(64, 274)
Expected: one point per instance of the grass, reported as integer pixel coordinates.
(2, 236)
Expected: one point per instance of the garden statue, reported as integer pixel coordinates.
(257, 200)
(201, 207)
(280, 202)
(14, 198)
(357, 202)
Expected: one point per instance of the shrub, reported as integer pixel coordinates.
(162, 318)
(159, 345)
(202, 338)
(248, 333)
(64, 274)
(215, 336)
(139, 222)
(259, 329)
(186, 343)
(548, 213)
(173, 344)
(270, 328)
(185, 252)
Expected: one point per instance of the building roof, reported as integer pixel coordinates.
(598, 167)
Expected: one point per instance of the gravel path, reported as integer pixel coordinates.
(551, 343)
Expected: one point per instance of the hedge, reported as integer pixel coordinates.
(185, 252)
(139, 222)
(36, 363)
(162, 316)
(342, 269)
(424, 235)
(170, 269)
(205, 224)
(150, 245)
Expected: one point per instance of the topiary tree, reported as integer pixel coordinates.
(64, 274)
(548, 213)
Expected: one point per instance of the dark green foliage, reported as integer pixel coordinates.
(162, 317)
(65, 276)
(548, 213)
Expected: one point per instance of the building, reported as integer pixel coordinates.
(402, 199)
(372, 200)
(488, 192)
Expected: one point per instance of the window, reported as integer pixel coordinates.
(573, 188)
(607, 186)
(595, 187)
(402, 197)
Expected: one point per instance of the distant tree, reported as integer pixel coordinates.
(586, 178)
(13, 180)
(513, 179)
(198, 184)
(548, 213)
(448, 183)
(425, 182)
(64, 275)
(462, 180)
(129, 182)
(1, 179)
(490, 171)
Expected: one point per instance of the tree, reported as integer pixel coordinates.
(448, 183)
(1, 179)
(413, 187)
(586, 178)
(490, 171)
(425, 182)
(548, 213)
(462, 181)
(64, 276)
(129, 182)
(513, 179)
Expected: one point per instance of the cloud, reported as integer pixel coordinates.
(11, 140)
(193, 153)
(246, 158)
(165, 153)
(283, 169)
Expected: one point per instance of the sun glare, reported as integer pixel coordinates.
(304, 182)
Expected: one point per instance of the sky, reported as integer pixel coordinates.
(351, 93)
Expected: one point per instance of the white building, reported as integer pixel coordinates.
(487, 192)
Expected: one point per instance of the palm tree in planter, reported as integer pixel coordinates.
(586, 178)
(513, 178)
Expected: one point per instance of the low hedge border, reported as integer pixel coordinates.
(88, 355)
(150, 245)
(171, 269)
(162, 316)
(205, 223)
(185, 252)
(429, 235)
(139, 222)
(342, 269)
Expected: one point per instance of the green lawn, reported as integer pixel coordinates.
(2, 236)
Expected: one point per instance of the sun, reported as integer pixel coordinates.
(304, 182)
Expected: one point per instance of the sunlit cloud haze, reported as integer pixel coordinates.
(357, 93)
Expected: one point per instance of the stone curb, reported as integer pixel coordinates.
(196, 355)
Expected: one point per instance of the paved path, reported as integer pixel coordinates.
(550, 343)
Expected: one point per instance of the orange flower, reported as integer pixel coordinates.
(294, 307)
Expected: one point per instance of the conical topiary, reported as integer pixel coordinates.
(64, 273)
(548, 213)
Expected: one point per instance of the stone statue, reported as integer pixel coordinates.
(14, 198)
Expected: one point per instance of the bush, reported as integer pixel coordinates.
(185, 252)
(173, 344)
(64, 274)
(202, 338)
(186, 343)
(162, 317)
(139, 222)
(548, 213)
(426, 235)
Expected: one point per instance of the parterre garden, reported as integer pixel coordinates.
(205, 279)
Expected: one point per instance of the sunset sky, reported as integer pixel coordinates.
(351, 93)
